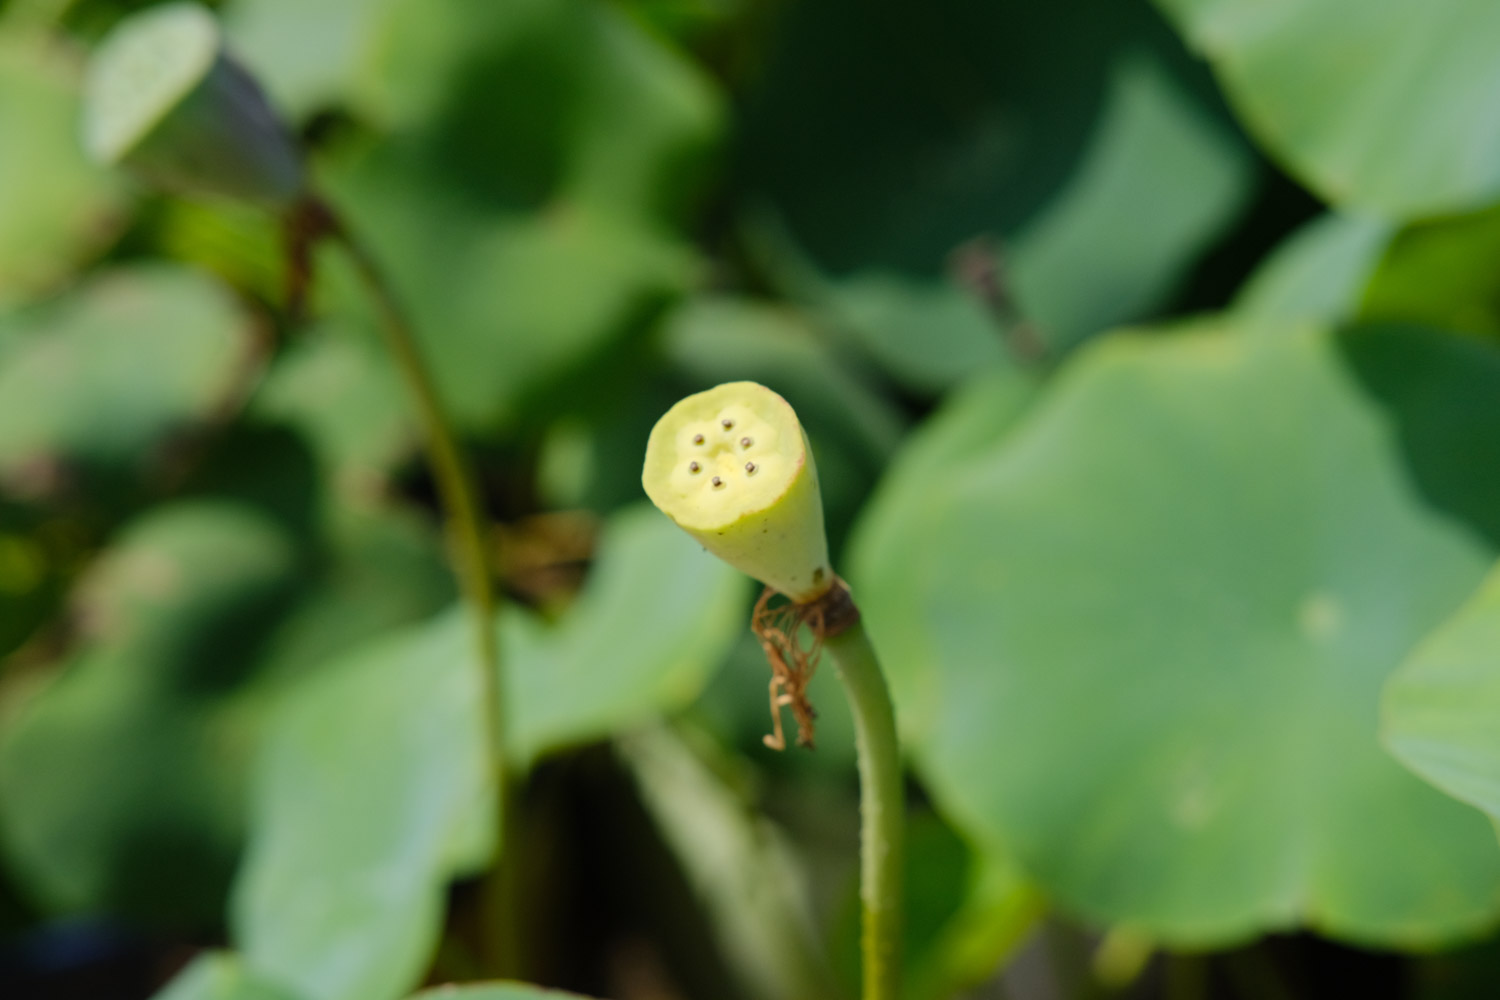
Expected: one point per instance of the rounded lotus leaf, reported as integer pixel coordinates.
(732, 467)
(1145, 627)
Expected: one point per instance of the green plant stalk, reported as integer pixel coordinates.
(882, 809)
(460, 500)
(456, 490)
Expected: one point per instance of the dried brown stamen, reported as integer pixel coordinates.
(779, 630)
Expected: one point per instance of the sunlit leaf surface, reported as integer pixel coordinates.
(372, 791)
(1151, 624)
(1440, 706)
(1381, 105)
(93, 382)
(56, 209)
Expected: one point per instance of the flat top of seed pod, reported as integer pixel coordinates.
(141, 70)
(720, 455)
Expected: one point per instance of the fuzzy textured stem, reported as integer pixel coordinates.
(882, 807)
(466, 522)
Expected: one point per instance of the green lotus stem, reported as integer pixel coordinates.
(166, 100)
(456, 490)
(460, 500)
(732, 466)
(882, 809)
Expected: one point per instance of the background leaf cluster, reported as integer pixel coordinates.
(1148, 355)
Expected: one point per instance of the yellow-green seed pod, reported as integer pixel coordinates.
(165, 100)
(733, 468)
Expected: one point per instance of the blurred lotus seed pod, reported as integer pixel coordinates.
(165, 100)
(732, 467)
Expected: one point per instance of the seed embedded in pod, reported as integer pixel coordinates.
(749, 468)
(745, 442)
(727, 423)
(718, 482)
(694, 467)
(697, 439)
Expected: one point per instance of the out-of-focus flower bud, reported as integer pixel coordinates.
(166, 101)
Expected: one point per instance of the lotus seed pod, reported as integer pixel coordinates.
(163, 99)
(732, 467)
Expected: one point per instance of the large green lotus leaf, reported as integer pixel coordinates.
(1381, 105)
(1159, 180)
(1158, 615)
(97, 378)
(1439, 708)
(972, 421)
(884, 149)
(657, 616)
(120, 780)
(56, 208)
(613, 119)
(217, 976)
(1318, 274)
(372, 790)
(927, 335)
(369, 780)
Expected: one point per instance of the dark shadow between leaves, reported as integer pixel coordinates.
(1441, 393)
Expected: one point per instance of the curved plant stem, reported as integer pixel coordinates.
(456, 489)
(460, 500)
(881, 808)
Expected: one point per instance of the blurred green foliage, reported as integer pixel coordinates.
(1165, 610)
(1231, 778)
